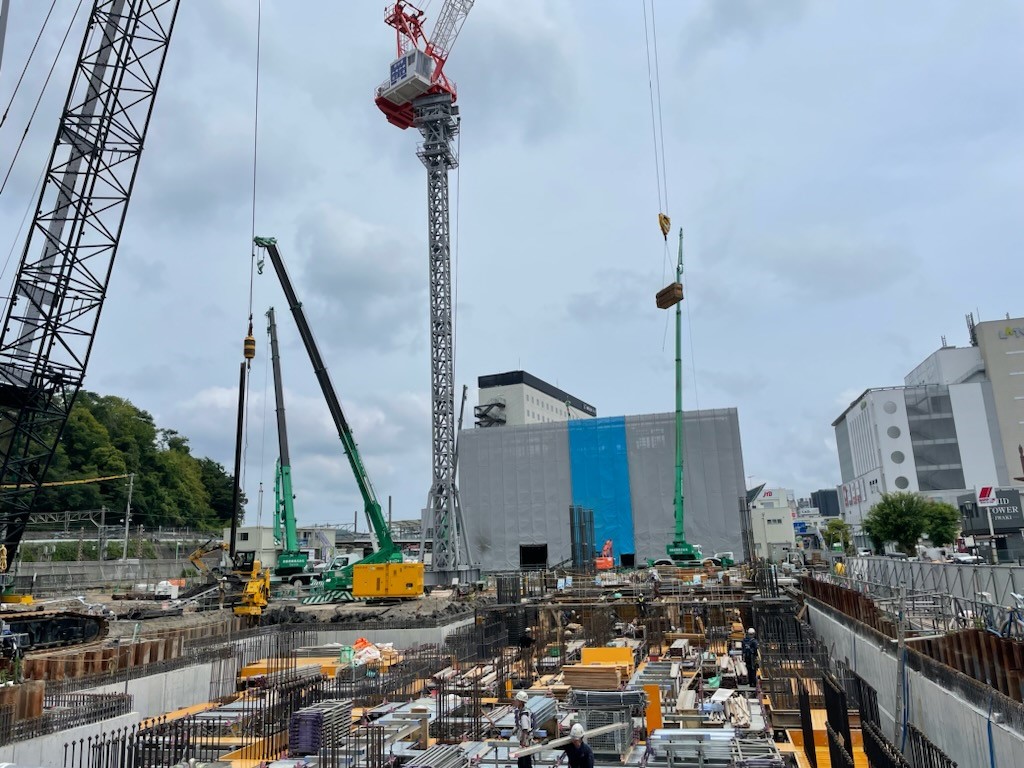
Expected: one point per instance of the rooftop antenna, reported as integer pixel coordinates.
(944, 342)
(971, 332)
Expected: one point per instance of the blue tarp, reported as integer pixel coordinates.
(600, 479)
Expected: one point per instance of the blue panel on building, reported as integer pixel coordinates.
(600, 479)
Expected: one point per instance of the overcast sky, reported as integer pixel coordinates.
(850, 177)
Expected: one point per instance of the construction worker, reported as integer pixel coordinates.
(526, 643)
(578, 752)
(750, 648)
(656, 580)
(523, 730)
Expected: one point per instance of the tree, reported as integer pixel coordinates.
(943, 523)
(837, 531)
(904, 517)
(107, 435)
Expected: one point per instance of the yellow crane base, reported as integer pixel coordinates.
(16, 599)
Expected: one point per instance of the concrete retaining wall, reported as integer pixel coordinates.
(48, 751)
(400, 638)
(956, 726)
(156, 694)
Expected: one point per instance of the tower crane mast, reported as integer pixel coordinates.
(58, 293)
(418, 93)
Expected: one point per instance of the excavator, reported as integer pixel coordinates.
(245, 586)
(335, 584)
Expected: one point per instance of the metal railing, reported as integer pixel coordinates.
(64, 711)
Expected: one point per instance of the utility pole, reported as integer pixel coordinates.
(993, 555)
(128, 515)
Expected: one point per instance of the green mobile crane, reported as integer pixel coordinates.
(336, 583)
(290, 560)
(679, 549)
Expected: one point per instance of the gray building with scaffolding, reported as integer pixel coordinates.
(518, 485)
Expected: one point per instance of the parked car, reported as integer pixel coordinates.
(966, 558)
(864, 552)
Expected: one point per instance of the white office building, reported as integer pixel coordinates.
(772, 513)
(517, 398)
(955, 425)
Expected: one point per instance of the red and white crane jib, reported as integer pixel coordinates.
(419, 66)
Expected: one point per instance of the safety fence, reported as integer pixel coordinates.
(981, 666)
(63, 712)
(883, 576)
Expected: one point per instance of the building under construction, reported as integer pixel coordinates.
(693, 668)
(522, 484)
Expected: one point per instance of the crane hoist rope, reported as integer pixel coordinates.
(28, 61)
(39, 99)
(657, 124)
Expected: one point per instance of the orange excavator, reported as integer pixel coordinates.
(606, 561)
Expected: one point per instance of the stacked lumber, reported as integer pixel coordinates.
(594, 677)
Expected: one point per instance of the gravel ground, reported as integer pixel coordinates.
(287, 609)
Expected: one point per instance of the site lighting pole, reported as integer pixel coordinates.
(128, 515)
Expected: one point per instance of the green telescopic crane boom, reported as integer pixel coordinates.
(290, 560)
(680, 550)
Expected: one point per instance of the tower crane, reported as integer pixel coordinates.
(418, 93)
(58, 293)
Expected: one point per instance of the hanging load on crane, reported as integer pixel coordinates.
(335, 585)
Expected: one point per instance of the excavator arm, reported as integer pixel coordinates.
(197, 557)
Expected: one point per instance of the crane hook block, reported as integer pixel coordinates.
(665, 224)
(249, 347)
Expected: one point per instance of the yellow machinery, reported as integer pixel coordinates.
(390, 580)
(256, 593)
(197, 557)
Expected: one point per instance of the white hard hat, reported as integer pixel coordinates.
(751, 631)
(576, 732)
(522, 696)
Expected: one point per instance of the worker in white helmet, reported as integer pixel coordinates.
(523, 730)
(578, 752)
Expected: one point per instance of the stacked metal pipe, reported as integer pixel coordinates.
(600, 699)
(318, 724)
(441, 756)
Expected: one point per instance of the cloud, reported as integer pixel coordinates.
(830, 264)
(716, 24)
(617, 298)
(365, 280)
(516, 71)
